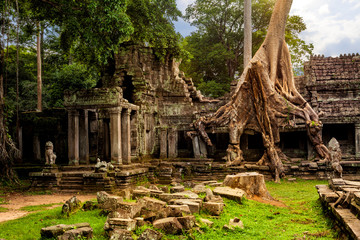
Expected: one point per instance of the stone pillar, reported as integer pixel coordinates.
(196, 147)
(172, 143)
(163, 143)
(106, 144)
(203, 149)
(357, 140)
(73, 137)
(115, 136)
(36, 147)
(84, 137)
(310, 150)
(126, 135)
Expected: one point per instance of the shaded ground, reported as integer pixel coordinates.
(15, 201)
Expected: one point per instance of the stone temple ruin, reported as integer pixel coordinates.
(139, 120)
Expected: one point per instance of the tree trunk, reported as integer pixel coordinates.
(266, 99)
(39, 82)
(8, 151)
(247, 32)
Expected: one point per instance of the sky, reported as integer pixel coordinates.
(333, 26)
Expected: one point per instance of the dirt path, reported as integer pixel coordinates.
(14, 202)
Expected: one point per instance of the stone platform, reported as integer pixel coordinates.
(83, 178)
(342, 199)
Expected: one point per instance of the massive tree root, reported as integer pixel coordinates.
(266, 99)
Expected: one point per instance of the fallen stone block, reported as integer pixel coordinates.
(120, 234)
(79, 233)
(137, 194)
(235, 194)
(128, 224)
(150, 234)
(206, 222)
(71, 206)
(213, 208)
(181, 195)
(111, 203)
(177, 210)
(193, 206)
(102, 197)
(152, 204)
(169, 225)
(129, 209)
(177, 189)
(187, 222)
(57, 230)
(200, 188)
(236, 223)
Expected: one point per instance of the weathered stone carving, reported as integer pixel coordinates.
(102, 166)
(50, 156)
(335, 156)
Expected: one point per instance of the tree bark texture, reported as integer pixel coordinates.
(38, 63)
(266, 99)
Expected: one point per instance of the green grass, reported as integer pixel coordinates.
(33, 208)
(303, 218)
(28, 228)
(2, 209)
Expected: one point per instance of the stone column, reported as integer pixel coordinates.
(84, 137)
(106, 144)
(196, 147)
(172, 143)
(357, 140)
(203, 149)
(126, 135)
(73, 137)
(163, 143)
(115, 136)
(36, 147)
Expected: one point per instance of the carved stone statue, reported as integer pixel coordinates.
(103, 166)
(335, 157)
(50, 156)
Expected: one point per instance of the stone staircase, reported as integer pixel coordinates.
(71, 182)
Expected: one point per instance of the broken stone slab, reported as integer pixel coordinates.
(215, 184)
(137, 194)
(209, 182)
(120, 234)
(169, 225)
(111, 203)
(140, 221)
(57, 230)
(122, 223)
(236, 223)
(129, 209)
(213, 208)
(252, 183)
(326, 194)
(78, 233)
(177, 210)
(71, 206)
(181, 195)
(313, 165)
(235, 194)
(206, 222)
(189, 184)
(102, 196)
(165, 189)
(152, 204)
(199, 188)
(150, 234)
(177, 189)
(193, 206)
(187, 222)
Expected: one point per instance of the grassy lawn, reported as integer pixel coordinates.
(302, 219)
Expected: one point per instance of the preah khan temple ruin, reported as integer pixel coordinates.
(145, 119)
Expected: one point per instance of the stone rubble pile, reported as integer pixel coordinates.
(168, 209)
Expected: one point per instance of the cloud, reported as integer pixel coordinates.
(333, 26)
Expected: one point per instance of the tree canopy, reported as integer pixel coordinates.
(216, 47)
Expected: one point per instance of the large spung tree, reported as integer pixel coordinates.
(266, 98)
(216, 47)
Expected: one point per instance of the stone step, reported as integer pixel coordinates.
(78, 168)
(72, 174)
(71, 186)
(62, 182)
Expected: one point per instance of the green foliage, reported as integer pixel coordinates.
(3, 209)
(214, 51)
